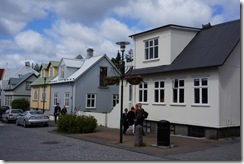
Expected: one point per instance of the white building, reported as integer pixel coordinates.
(191, 78)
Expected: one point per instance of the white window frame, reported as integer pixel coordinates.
(35, 94)
(43, 94)
(55, 98)
(143, 92)
(115, 99)
(159, 89)
(149, 49)
(28, 85)
(62, 71)
(178, 89)
(200, 86)
(66, 99)
(90, 99)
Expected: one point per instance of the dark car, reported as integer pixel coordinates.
(3, 110)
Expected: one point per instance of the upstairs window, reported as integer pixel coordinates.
(62, 72)
(35, 97)
(151, 49)
(28, 85)
(51, 71)
(103, 74)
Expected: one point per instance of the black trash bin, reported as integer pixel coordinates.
(163, 135)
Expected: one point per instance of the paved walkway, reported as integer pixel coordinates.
(182, 147)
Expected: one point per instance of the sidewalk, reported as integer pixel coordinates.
(179, 144)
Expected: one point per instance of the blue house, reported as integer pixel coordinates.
(79, 84)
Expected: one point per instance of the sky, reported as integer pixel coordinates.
(39, 31)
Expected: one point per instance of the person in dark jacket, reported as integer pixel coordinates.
(125, 121)
(131, 119)
(64, 110)
(57, 111)
(140, 116)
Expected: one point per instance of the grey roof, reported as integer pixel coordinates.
(209, 48)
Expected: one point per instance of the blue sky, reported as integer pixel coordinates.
(40, 31)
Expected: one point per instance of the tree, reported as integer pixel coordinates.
(21, 103)
(36, 67)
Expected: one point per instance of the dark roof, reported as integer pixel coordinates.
(210, 47)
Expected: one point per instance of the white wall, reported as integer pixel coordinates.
(230, 94)
(171, 42)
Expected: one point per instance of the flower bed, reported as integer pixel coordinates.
(111, 80)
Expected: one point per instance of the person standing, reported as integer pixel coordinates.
(140, 116)
(131, 119)
(64, 110)
(57, 111)
(125, 121)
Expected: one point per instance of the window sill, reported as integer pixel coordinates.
(159, 104)
(150, 60)
(200, 105)
(177, 104)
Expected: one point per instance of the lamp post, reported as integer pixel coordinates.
(122, 49)
(44, 94)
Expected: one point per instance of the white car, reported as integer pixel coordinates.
(32, 117)
(10, 115)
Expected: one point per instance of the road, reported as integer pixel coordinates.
(37, 144)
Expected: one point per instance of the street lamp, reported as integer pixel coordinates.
(44, 94)
(122, 49)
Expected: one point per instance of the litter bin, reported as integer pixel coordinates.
(163, 133)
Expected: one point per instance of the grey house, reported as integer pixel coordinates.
(79, 84)
(19, 88)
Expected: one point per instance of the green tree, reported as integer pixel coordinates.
(36, 67)
(21, 103)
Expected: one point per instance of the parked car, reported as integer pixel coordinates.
(3, 110)
(32, 117)
(11, 115)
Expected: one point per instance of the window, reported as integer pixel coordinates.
(159, 91)
(201, 91)
(178, 91)
(151, 49)
(35, 96)
(103, 74)
(43, 72)
(91, 100)
(115, 99)
(143, 92)
(62, 72)
(8, 100)
(66, 99)
(51, 71)
(43, 94)
(28, 85)
(55, 98)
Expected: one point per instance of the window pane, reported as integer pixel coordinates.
(146, 44)
(181, 83)
(151, 42)
(162, 95)
(140, 96)
(205, 81)
(196, 96)
(156, 52)
(146, 53)
(181, 95)
(156, 96)
(155, 41)
(175, 95)
(156, 85)
(204, 95)
(151, 52)
(145, 96)
(161, 84)
(196, 82)
(145, 85)
(176, 84)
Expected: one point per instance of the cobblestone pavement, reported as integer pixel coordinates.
(182, 148)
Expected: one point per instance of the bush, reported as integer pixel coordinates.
(70, 123)
(21, 103)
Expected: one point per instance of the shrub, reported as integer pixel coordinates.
(71, 123)
(21, 103)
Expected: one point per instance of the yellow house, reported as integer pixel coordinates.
(40, 88)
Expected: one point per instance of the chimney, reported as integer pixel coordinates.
(89, 53)
(27, 64)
